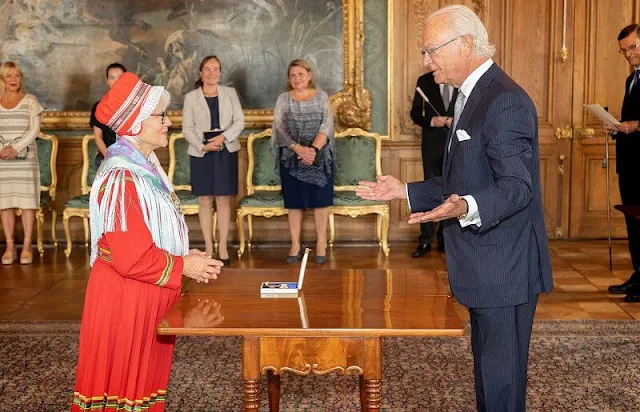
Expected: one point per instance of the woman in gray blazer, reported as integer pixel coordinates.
(212, 120)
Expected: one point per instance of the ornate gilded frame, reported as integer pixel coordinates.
(352, 104)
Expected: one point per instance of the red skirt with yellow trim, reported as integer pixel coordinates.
(123, 364)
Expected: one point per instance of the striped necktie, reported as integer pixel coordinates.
(457, 112)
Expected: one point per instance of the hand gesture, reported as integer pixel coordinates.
(628, 127)
(441, 121)
(608, 128)
(198, 266)
(384, 188)
(8, 153)
(453, 207)
(206, 314)
(214, 144)
(307, 155)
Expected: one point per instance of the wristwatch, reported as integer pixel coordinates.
(316, 149)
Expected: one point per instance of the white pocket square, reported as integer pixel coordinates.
(462, 135)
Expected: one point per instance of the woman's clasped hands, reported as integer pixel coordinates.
(199, 266)
(307, 155)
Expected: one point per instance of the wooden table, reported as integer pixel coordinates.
(336, 325)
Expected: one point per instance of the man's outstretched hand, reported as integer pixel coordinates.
(453, 207)
(384, 188)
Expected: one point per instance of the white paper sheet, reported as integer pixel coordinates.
(604, 116)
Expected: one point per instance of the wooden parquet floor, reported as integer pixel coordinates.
(53, 288)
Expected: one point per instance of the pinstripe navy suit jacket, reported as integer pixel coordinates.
(506, 259)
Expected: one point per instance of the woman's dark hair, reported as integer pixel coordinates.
(202, 63)
(115, 66)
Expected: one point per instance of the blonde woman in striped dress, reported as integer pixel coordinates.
(19, 174)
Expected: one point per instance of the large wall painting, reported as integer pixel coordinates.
(63, 46)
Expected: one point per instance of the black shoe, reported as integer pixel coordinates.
(321, 260)
(292, 259)
(632, 298)
(226, 262)
(631, 285)
(441, 246)
(421, 250)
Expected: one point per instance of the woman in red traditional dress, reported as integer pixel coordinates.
(139, 253)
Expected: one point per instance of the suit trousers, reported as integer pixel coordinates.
(630, 195)
(432, 168)
(500, 344)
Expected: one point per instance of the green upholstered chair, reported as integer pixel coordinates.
(264, 197)
(79, 205)
(358, 158)
(180, 178)
(47, 154)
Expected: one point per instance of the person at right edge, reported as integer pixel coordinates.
(435, 127)
(627, 139)
(489, 200)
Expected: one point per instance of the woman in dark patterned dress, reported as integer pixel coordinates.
(304, 145)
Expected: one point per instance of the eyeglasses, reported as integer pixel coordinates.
(432, 50)
(163, 115)
(629, 49)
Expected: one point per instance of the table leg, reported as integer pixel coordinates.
(251, 373)
(371, 380)
(273, 384)
(363, 395)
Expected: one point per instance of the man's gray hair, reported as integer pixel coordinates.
(464, 22)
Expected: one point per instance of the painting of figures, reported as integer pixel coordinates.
(63, 46)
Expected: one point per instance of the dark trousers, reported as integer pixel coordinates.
(500, 343)
(630, 195)
(432, 168)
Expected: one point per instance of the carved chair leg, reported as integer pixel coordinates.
(85, 224)
(332, 229)
(379, 229)
(54, 218)
(250, 224)
(39, 231)
(240, 224)
(273, 385)
(67, 233)
(385, 234)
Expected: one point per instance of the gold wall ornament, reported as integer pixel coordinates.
(354, 97)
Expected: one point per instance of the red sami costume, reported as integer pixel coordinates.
(138, 240)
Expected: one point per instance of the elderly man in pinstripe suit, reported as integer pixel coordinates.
(489, 200)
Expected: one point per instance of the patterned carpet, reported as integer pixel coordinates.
(574, 366)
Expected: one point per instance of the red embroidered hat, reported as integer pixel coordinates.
(126, 104)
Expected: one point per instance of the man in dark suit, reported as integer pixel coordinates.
(489, 200)
(435, 126)
(627, 139)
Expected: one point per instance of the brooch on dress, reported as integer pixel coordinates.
(175, 201)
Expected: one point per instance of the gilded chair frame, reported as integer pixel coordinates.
(382, 210)
(52, 193)
(85, 189)
(187, 210)
(250, 211)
